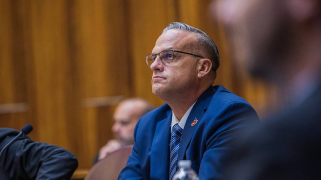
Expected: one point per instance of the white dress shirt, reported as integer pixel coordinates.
(182, 122)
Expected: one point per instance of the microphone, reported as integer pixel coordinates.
(25, 130)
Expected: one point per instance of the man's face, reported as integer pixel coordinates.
(256, 30)
(125, 118)
(180, 75)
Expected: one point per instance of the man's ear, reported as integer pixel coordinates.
(204, 67)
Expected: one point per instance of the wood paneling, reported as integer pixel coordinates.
(70, 62)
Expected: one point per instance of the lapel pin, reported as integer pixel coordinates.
(194, 122)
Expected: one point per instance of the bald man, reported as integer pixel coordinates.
(126, 116)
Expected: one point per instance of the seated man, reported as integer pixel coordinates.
(198, 121)
(24, 159)
(126, 116)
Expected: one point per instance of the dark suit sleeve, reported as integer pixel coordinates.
(132, 169)
(221, 132)
(26, 159)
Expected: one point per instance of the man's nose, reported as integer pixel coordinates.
(157, 64)
(115, 128)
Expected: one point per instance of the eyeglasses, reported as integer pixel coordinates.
(165, 56)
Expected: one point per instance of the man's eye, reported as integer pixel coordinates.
(124, 123)
(169, 56)
(153, 57)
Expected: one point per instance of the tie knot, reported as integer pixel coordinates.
(177, 130)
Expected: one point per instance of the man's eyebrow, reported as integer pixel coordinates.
(165, 49)
(124, 120)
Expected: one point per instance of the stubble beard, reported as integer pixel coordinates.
(164, 92)
(158, 91)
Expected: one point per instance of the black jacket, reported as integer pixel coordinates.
(25, 159)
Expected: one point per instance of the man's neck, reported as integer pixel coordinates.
(180, 109)
(181, 104)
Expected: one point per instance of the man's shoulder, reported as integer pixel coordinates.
(6, 133)
(160, 112)
(223, 96)
(287, 128)
(292, 134)
(156, 115)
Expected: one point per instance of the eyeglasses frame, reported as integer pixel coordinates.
(173, 50)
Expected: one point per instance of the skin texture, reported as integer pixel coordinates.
(186, 76)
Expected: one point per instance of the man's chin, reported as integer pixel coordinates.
(156, 89)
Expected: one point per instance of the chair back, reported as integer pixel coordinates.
(110, 167)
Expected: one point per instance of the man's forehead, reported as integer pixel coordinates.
(173, 39)
(123, 120)
(124, 116)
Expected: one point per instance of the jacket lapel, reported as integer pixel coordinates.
(196, 114)
(159, 158)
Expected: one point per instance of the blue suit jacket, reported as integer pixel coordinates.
(219, 113)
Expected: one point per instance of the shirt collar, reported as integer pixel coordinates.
(182, 122)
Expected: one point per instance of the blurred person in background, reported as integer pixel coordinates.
(125, 116)
(24, 159)
(280, 42)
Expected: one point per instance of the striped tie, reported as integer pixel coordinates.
(174, 145)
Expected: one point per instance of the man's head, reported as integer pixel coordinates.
(269, 37)
(184, 60)
(203, 43)
(126, 116)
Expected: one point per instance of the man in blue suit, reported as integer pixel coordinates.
(198, 120)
